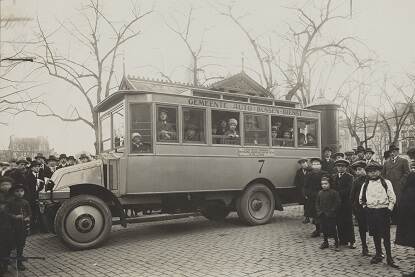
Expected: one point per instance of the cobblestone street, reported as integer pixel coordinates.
(198, 247)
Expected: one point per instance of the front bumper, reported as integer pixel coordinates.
(51, 200)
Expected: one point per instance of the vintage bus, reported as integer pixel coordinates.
(174, 149)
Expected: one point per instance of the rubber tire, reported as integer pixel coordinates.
(242, 203)
(215, 211)
(82, 200)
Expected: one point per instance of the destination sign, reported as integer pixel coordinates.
(243, 107)
(256, 152)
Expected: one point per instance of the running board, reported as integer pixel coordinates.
(156, 217)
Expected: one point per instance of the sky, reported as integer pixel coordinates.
(385, 27)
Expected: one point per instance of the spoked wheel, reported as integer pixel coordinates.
(215, 210)
(256, 204)
(83, 222)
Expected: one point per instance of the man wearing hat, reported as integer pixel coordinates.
(19, 172)
(44, 170)
(71, 160)
(52, 163)
(338, 156)
(327, 163)
(165, 129)
(369, 155)
(63, 161)
(312, 185)
(83, 158)
(349, 156)
(299, 183)
(396, 169)
(33, 184)
(343, 182)
(405, 229)
(378, 199)
(360, 178)
(360, 153)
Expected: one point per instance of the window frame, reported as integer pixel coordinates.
(294, 118)
(268, 129)
(205, 125)
(177, 107)
(107, 115)
(240, 123)
(114, 111)
(318, 133)
(151, 111)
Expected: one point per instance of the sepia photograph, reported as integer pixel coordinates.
(207, 138)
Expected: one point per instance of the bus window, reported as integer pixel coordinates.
(307, 132)
(225, 127)
(118, 128)
(140, 133)
(282, 131)
(106, 133)
(166, 124)
(256, 129)
(194, 125)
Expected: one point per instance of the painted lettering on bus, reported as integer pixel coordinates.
(243, 107)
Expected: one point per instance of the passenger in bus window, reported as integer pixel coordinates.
(287, 142)
(277, 129)
(166, 130)
(311, 140)
(137, 146)
(232, 132)
(222, 127)
(191, 133)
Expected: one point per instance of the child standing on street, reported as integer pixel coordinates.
(327, 204)
(378, 199)
(19, 210)
(360, 179)
(5, 224)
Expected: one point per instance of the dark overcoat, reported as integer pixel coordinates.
(405, 231)
(345, 227)
(396, 172)
(299, 180)
(312, 185)
(327, 165)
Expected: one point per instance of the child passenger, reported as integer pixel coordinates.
(327, 203)
(19, 210)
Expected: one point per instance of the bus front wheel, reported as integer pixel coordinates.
(83, 222)
(256, 204)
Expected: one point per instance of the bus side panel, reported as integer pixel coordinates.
(163, 174)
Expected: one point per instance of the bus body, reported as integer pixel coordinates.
(182, 150)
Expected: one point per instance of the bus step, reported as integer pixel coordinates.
(155, 217)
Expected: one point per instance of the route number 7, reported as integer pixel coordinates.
(262, 165)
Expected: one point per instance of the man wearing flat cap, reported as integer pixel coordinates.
(378, 199)
(342, 183)
(396, 169)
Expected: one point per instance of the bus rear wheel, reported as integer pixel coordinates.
(215, 210)
(256, 204)
(83, 222)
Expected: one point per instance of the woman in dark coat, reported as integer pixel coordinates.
(405, 232)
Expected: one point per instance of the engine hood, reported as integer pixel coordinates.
(86, 173)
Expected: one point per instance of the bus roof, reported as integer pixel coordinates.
(134, 85)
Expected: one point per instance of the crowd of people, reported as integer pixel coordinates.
(339, 186)
(21, 180)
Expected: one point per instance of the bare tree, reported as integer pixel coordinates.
(93, 81)
(395, 114)
(184, 33)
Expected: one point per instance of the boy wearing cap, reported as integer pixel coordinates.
(327, 163)
(5, 224)
(360, 178)
(299, 180)
(378, 199)
(327, 204)
(19, 210)
(312, 185)
(342, 183)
